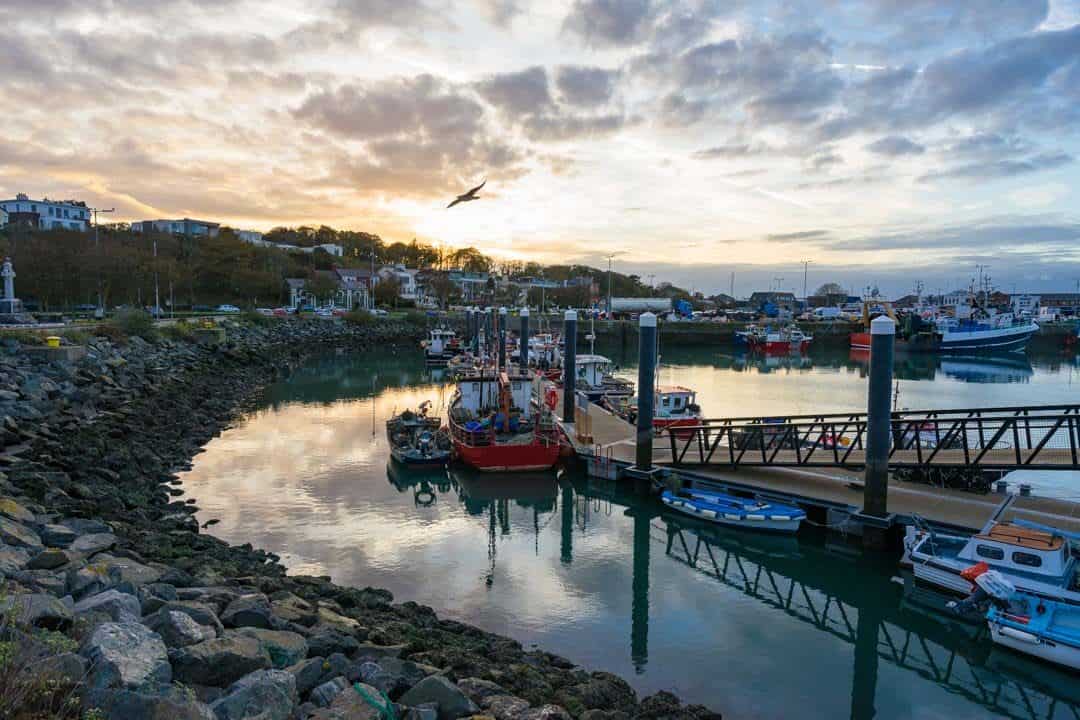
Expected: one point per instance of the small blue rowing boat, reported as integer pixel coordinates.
(734, 511)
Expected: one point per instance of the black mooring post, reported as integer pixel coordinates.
(468, 327)
(523, 344)
(476, 331)
(502, 338)
(569, 364)
(646, 391)
(879, 414)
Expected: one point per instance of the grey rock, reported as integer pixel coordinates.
(285, 648)
(177, 629)
(248, 611)
(308, 673)
(126, 570)
(546, 712)
(371, 651)
(93, 543)
(478, 689)
(427, 711)
(42, 581)
(326, 641)
(50, 559)
(264, 694)
(199, 612)
(12, 560)
(67, 668)
(88, 580)
(126, 655)
(169, 703)
(393, 675)
(121, 607)
(349, 706)
(219, 662)
(57, 536)
(293, 609)
(217, 597)
(37, 610)
(83, 526)
(13, 533)
(11, 508)
(324, 694)
(505, 707)
(453, 703)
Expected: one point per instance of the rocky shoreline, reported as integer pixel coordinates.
(113, 604)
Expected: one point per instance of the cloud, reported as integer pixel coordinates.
(610, 22)
(518, 93)
(895, 145)
(585, 86)
(796, 236)
(989, 235)
(500, 12)
(996, 169)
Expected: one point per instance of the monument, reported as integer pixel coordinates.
(9, 304)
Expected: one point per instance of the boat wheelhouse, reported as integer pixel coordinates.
(495, 426)
(441, 345)
(675, 405)
(595, 379)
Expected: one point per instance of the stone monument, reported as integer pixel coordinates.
(9, 304)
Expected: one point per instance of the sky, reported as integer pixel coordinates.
(701, 142)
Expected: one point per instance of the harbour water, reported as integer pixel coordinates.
(753, 626)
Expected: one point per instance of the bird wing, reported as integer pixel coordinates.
(477, 188)
(456, 201)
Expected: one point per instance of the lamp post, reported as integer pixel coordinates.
(100, 312)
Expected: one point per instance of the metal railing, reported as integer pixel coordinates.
(1044, 437)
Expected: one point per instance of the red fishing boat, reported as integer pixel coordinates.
(495, 427)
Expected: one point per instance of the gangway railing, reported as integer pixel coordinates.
(1002, 438)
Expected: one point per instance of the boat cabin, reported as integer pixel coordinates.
(592, 369)
(675, 400)
(1021, 550)
(482, 392)
(439, 339)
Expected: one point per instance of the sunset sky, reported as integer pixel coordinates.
(884, 140)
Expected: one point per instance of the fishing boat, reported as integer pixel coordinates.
(417, 439)
(1035, 626)
(596, 380)
(674, 406)
(441, 345)
(734, 511)
(1037, 559)
(495, 427)
(788, 339)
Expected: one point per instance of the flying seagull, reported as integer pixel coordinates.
(466, 197)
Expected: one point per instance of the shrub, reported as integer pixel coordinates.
(111, 332)
(135, 323)
(181, 330)
(29, 688)
(252, 317)
(23, 337)
(416, 317)
(359, 317)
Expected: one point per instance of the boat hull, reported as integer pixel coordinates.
(508, 458)
(1001, 340)
(770, 523)
(415, 460)
(1031, 644)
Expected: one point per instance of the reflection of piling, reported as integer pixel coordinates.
(639, 611)
(865, 675)
(646, 391)
(569, 363)
(879, 411)
(566, 545)
(502, 338)
(468, 327)
(523, 344)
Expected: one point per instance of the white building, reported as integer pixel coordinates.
(1025, 304)
(3, 217)
(256, 238)
(250, 236)
(185, 226)
(406, 278)
(47, 214)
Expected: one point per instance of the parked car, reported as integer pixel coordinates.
(324, 312)
(86, 307)
(202, 308)
(227, 309)
(281, 312)
(269, 312)
(379, 312)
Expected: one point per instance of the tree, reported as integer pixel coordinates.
(831, 289)
(471, 260)
(321, 286)
(387, 290)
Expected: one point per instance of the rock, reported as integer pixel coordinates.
(326, 641)
(393, 675)
(126, 655)
(371, 651)
(217, 597)
(57, 536)
(427, 711)
(505, 707)
(604, 691)
(177, 629)
(546, 712)
(264, 694)
(285, 648)
(13, 533)
(308, 673)
(169, 703)
(219, 662)
(478, 689)
(67, 668)
(50, 559)
(126, 570)
(198, 612)
(248, 611)
(12, 560)
(324, 694)
(453, 703)
(350, 706)
(121, 607)
(337, 621)
(290, 608)
(92, 543)
(9, 508)
(84, 526)
(604, 715)
(37, 610)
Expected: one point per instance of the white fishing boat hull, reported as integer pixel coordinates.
(1031, 644)
(767, 523)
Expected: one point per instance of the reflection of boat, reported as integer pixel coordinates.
(1034, 560)
(988, 369)
(1041, 628)
(526, 486)
(416, 439)
(733, 511)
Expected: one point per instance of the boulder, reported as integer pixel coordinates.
(199, 612)
(84, 526)
(219, 662)
(350, 705)
(285, 648)
(263, 694)
(505, 707)
(290, 608)
(478, 689)
(88, 580)
(92, 543)
(12, 560)
(18, 535)
(177, 629)
(50, 559)
(126, 655)
(324, 694)
(121, 607)
(546, 712)
(37, 610)
(168, 703)
(453, 703)
(308, 673)
(10, 508)
(604, 691)
(393, 675)
(57, 536)
(126, 570)
(326, 641)
(248, 611)
(337, 621)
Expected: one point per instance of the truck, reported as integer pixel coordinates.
(640, 305)
(826, 313)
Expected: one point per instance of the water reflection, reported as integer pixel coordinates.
(751, 625)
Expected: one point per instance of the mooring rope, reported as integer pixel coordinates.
(386, 711)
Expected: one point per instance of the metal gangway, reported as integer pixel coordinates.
(999, 438)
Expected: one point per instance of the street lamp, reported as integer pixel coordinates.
(100, 312)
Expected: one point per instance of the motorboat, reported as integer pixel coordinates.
(417, 439)
(1037, 559)
(440, 346)
(595, 379)
(1035, 626)
(788, 339)
(734, 511)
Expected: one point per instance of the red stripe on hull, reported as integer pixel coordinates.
(508, 458)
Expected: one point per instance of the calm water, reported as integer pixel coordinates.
(754, 626)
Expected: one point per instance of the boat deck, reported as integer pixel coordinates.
(841, 488)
